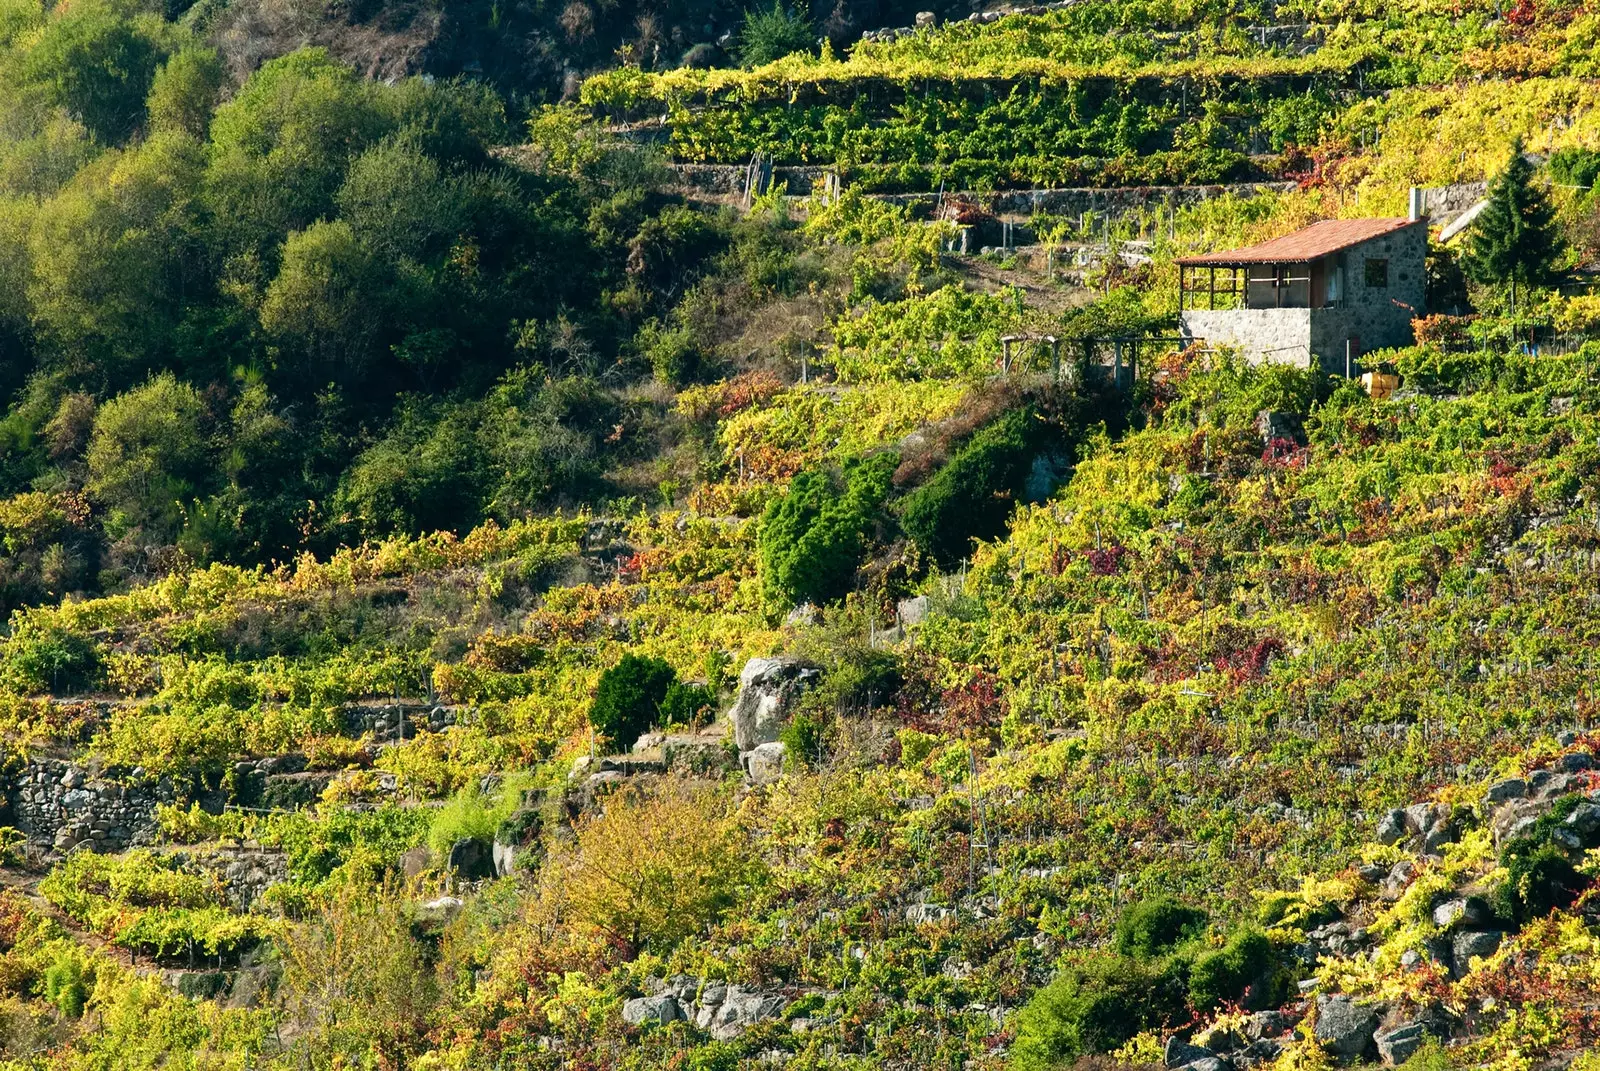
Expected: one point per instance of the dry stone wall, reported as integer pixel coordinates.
(59, 805)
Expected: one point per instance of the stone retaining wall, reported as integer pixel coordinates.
(58, 805)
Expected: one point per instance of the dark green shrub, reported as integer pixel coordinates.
(857, 677)
(1539, 879)
(1155, 926)
(804, 739)
(1094, 1006)
(813, 537)
(973, 495)
(628, 699)
(684, 704)
(772, 35)
(1575, 167)
(1246, 970)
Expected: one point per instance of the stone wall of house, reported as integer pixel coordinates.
(1263, 336)
(1407, 253)
(1379, 318)
(1375, 326)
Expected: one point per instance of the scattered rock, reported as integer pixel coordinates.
(764, 764)
(1467, 946)
(440, 912)
(1513, 819)
(471, 859)
(804, 614)
(1575, 762)
(741, 1009)
(1400, 1044)
(1280, 426)
(1585, 819)
(923, 914)
(1468, 911)
(1392, 827)
(1514, 788)
(925, 20)
(415, 862)
(1180, 1053)
(1344, 1027)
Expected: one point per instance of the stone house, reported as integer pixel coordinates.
(1320, 296)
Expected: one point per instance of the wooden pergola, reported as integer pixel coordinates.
(1200, 286)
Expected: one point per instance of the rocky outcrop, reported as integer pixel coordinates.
(768, 690)
(763, 764)
(724, 1011)
(1425, 826)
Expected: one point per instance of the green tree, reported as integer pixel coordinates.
(628, 699)
(973, 495)
(1514, 239)
(399, 201)
(424, 475)
(280, 149)
(325, 307)
(96, 60)
(116, 258)
(772, 35)
(185, 92)
(147, 455)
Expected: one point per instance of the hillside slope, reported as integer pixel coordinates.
(484, 590)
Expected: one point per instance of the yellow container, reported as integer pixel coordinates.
(1379, 385)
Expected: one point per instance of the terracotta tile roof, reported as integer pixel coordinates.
(1309, 243)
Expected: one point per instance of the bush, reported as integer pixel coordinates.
(42, 656)
(684, 704)
(1245, 970)
(1155, 926)
(1093, 1007)
(804, 739)
(629, 698)
(63, 984)
(973, 495)
(470, 815)
(1539, 879)
(813, 537)
(651, 870)
(772, 35)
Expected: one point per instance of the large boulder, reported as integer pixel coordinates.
(471, 859)
(741, 1009)
(1344, 1027)
(1180, 1053)
(768, 690)
(1398, 1045)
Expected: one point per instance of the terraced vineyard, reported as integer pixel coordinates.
(479, 599)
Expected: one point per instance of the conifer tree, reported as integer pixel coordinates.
(1514, 239)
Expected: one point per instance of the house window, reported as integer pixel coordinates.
(1377, 272)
